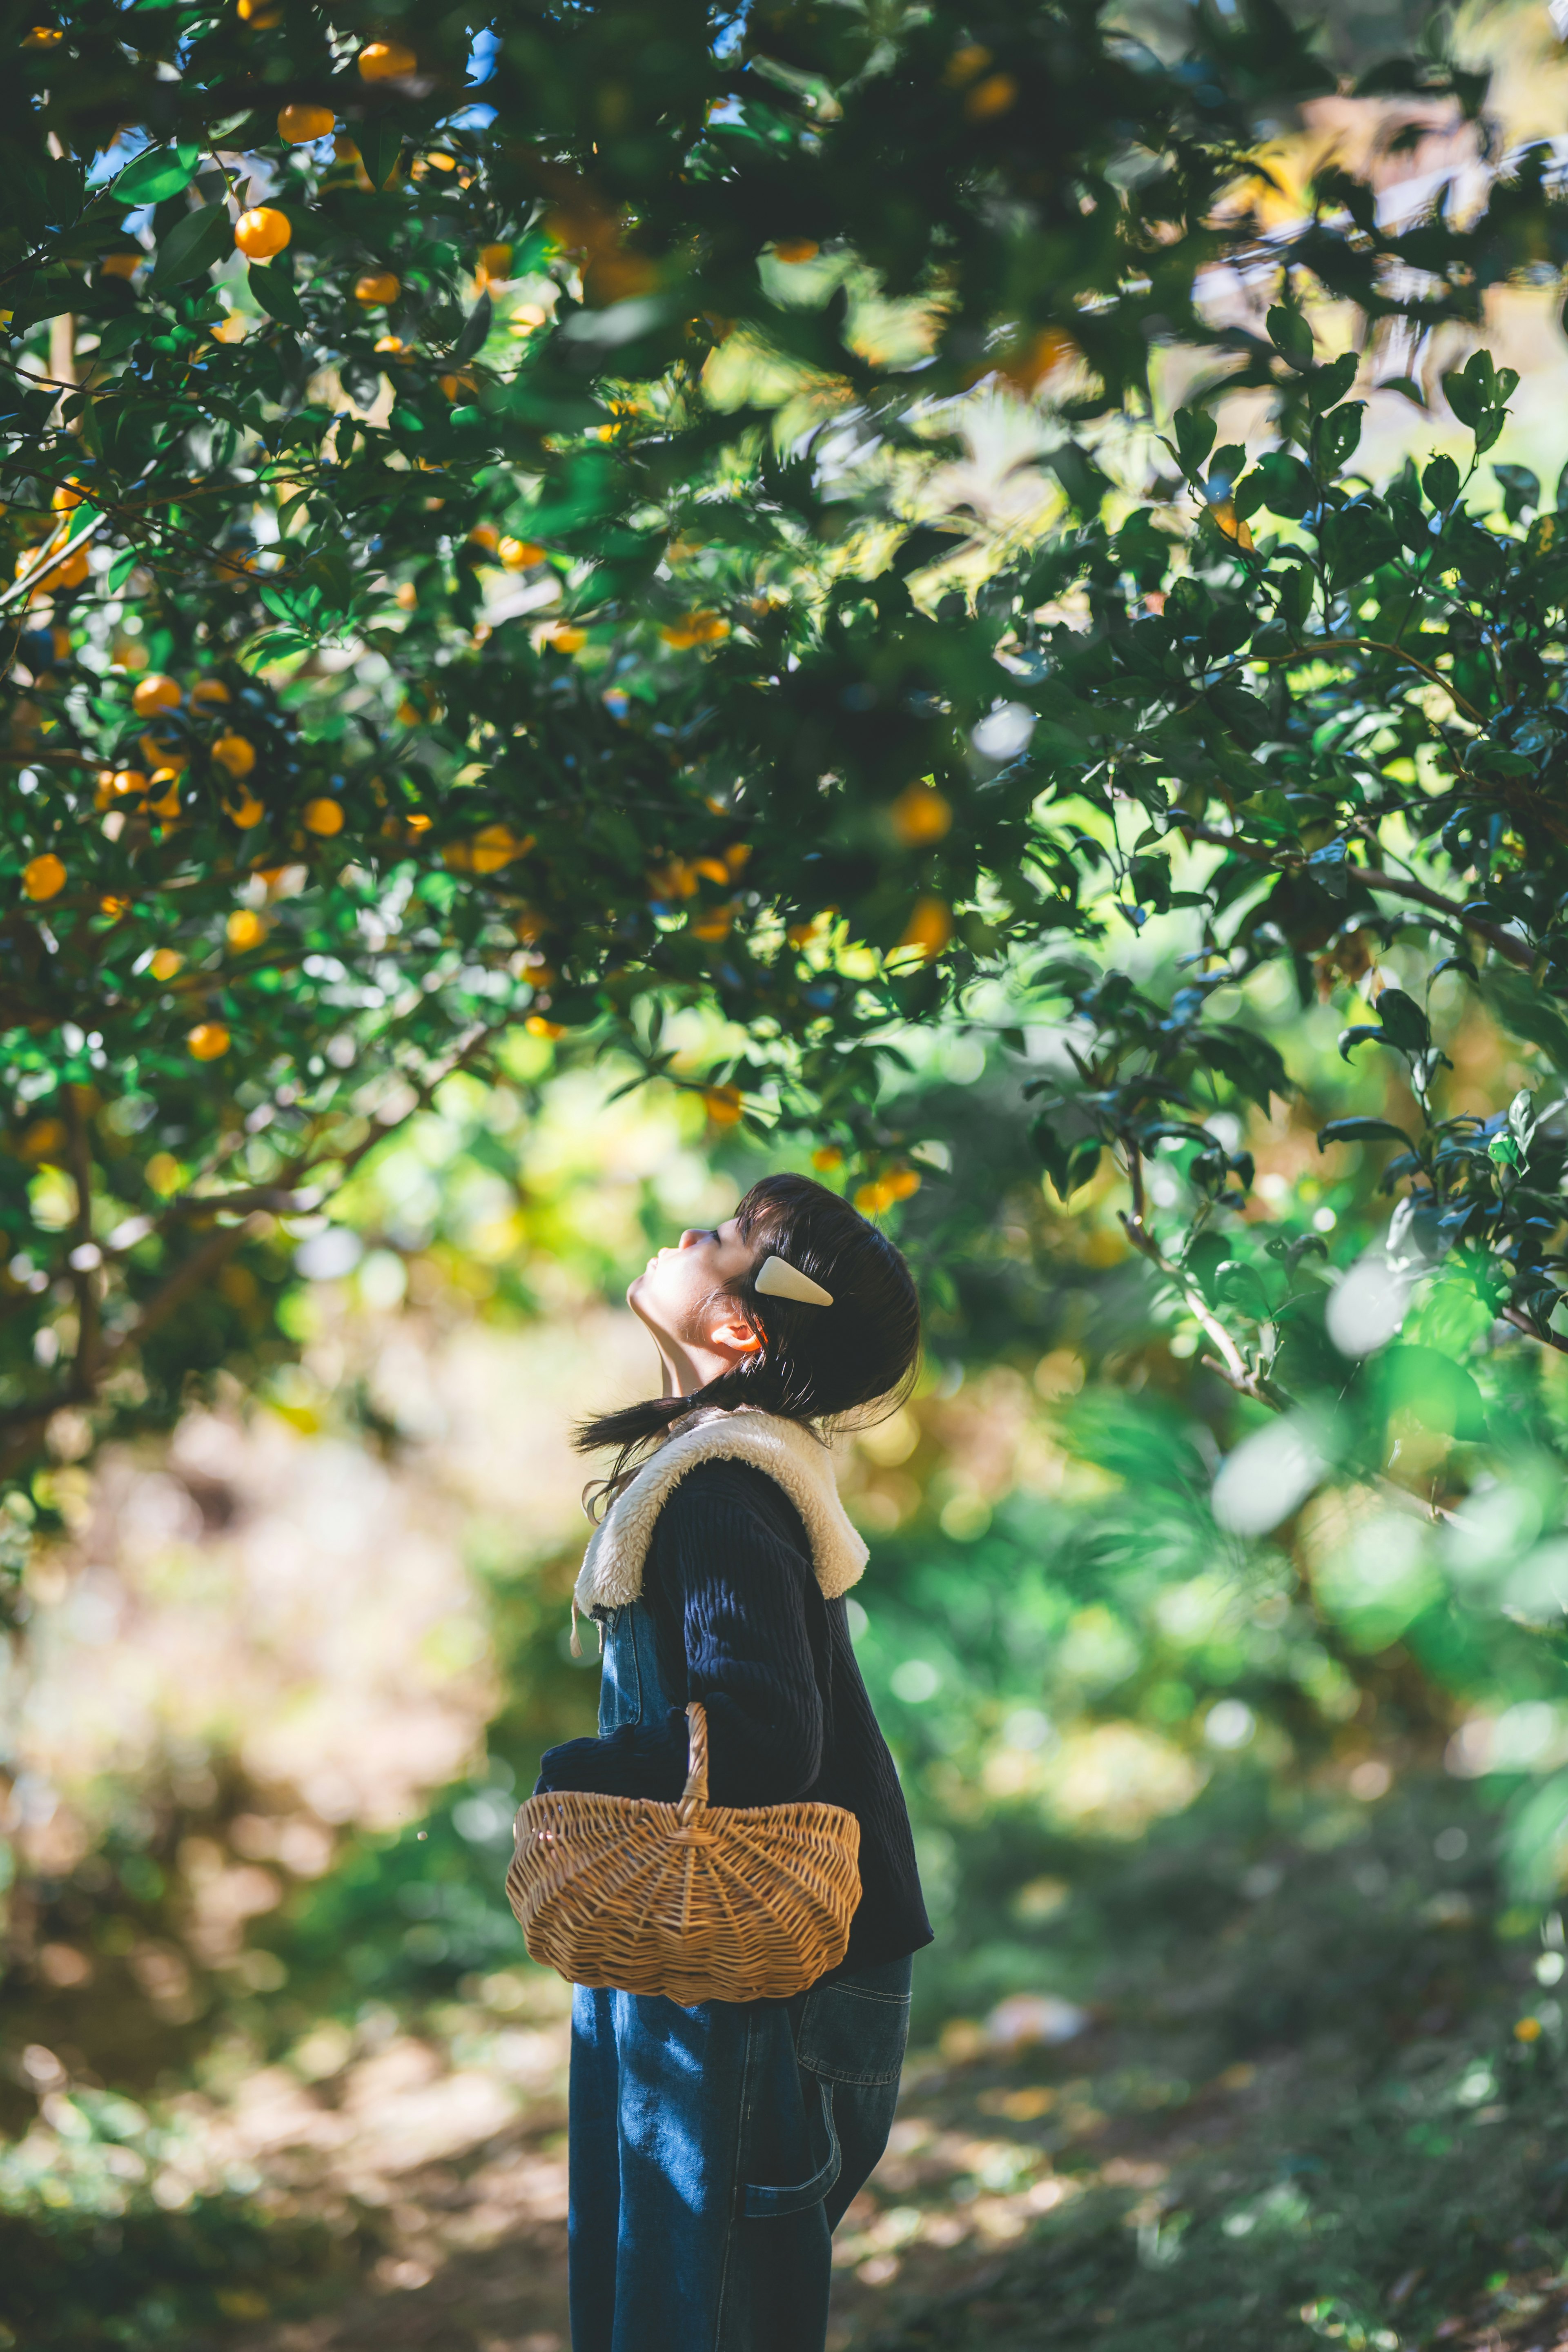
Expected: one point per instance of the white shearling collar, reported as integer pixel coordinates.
(611, 1571)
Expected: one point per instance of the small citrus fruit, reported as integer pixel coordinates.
(377, 285)
(930, 928)
(165, 963)
(245, 811)
(921, 814)
(796, 248)
(154, 693)
(245, 929)
(322, 816)
(298, 125)
(208, 1040)
(385, 61)
(208, 692)
(45, 877)
(517, 554)
(262, 232)
(236, 754)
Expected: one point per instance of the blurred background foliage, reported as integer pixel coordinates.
(1218, 1571)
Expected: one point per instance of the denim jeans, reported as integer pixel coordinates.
(714, 2149)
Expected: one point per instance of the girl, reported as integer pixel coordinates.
(714, 2148)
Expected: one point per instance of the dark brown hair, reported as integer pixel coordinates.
(816, 1363)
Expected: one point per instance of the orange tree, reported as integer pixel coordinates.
(474, 561)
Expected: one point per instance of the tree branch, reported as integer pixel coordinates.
(1515, 950)
(84, 1277)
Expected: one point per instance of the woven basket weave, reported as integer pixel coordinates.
(695, 1901)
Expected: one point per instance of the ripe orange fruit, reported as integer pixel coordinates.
(120, 265)
(486, 537)
(538, 1026)
(385, 61)
(207, 1040)
(992, 96)
(165, 963)
(163, 751)
(45, 1140)
(236, 754)
(262, 232)
(921, 814)
(154, 693)
(44, 877)
(495, 260)
(901, 1183)
(827, 1156)
(377, 285)
(66, 496)
(493, 846)
(245, 929)
(166, 784)
(930, 926)
(517, 554)
(298, 125)
(208, 692)
(257, 15)
(322, 816)
(722, 1105)
(245, 811)
(696, 629)
(796, 248)
(126, 780)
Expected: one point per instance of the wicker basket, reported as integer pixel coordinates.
(695, 1901)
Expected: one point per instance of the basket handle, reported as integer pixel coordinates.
(694, 1797)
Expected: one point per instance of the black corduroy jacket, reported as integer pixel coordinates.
(743, 1625)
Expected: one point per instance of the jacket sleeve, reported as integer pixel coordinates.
(725, 1568)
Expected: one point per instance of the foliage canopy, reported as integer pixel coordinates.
(487, 550)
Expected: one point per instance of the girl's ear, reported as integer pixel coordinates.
(735, 1335)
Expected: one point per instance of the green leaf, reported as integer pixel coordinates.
(156, 173)
(1403, 1021)
(119, 571)
(273, 287)
(1290, 335)
(1195, 438)
(1362, 1131)
(1441, 482)
(192, 247)
(379, 144)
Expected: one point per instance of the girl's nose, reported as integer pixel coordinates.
(689, 1238)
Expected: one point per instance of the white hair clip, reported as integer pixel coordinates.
(777, 1279)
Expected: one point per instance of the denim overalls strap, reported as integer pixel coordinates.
(714, 2149)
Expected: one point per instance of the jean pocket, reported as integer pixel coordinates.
(764, 2202)
(851, 2033)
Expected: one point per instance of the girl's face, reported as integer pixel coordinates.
(680, 1296)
